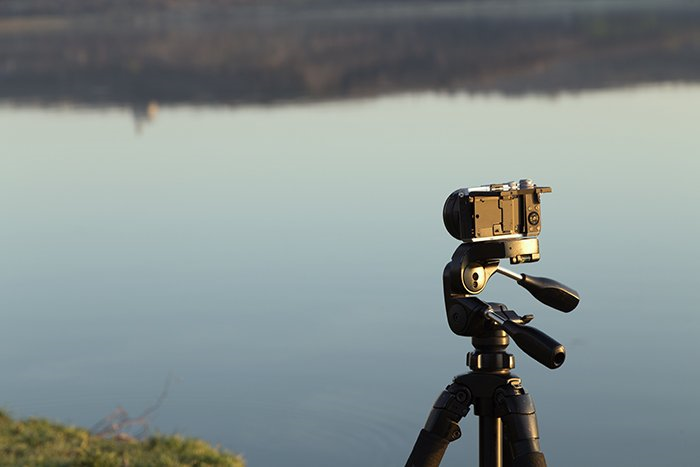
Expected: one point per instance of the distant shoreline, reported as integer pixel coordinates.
(73, 8)
(232, 53)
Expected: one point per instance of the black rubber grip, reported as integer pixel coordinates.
(531, 459)
(536, 344)
(428, 450)
(551, 292)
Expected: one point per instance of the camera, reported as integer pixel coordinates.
(495, 212)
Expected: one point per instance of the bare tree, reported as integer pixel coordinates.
(118, 424)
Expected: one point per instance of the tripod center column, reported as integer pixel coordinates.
(489, 355)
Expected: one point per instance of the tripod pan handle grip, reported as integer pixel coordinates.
(536, 344)
(551, 292)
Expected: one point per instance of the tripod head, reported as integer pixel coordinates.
(474, 262)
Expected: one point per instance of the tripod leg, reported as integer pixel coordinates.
(517, 410)
(441, 428)
(490, 441)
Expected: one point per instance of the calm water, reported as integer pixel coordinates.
(284, 264)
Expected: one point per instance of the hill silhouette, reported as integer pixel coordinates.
(233, 52)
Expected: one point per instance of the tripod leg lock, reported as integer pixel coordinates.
(449, 408)
(442, 426)
(517, 410)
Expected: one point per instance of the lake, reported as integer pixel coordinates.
(282, 265)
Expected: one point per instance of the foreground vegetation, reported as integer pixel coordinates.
(40, 442)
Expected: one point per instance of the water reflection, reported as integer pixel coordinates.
(285, 263)
(232, 53)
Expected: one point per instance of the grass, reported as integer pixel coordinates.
(37, 442)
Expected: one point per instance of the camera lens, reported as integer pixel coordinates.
(450, 214)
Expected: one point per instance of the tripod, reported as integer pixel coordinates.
(508, 433)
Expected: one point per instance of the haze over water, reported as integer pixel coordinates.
(283, 262)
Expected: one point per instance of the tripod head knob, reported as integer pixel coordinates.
(536, 344)
(532, 341)
(548, 291)
(551, 292)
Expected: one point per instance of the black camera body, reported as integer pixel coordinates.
(495, 212)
